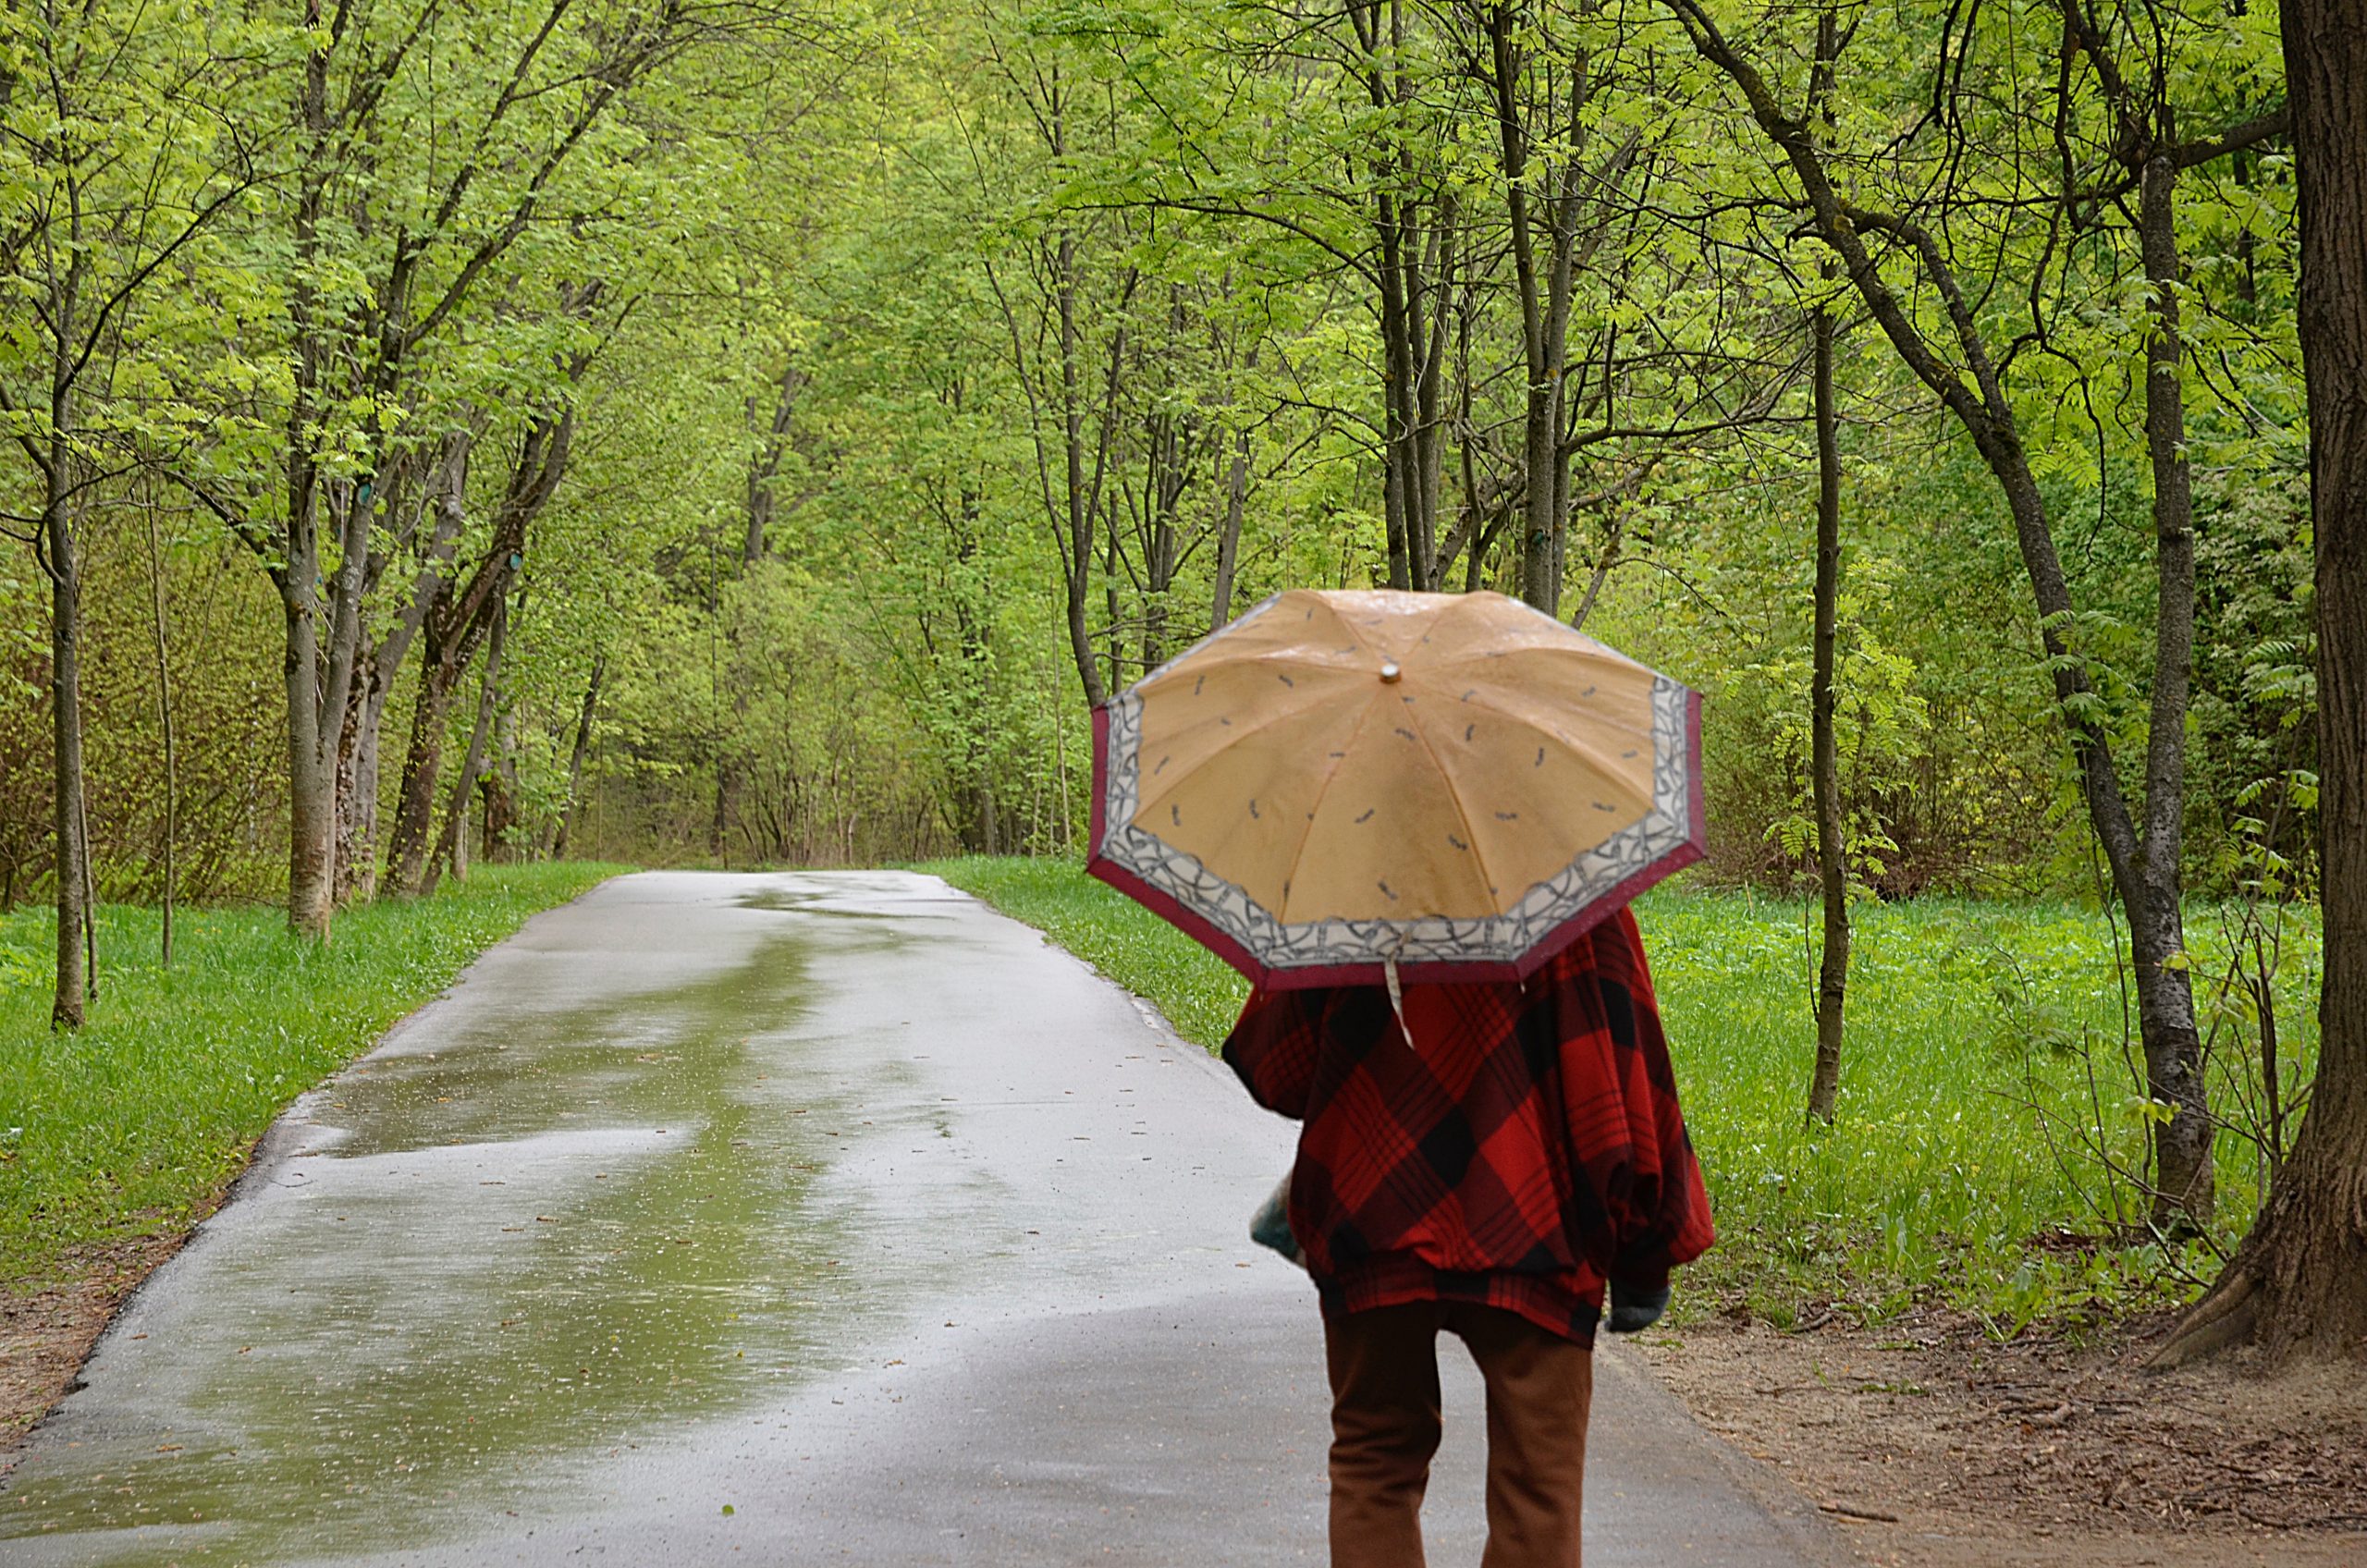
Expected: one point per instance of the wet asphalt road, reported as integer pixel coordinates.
(782, 1220)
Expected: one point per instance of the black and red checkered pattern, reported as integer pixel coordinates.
(1527, 1147)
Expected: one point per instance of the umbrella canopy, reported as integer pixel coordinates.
(1453, 784)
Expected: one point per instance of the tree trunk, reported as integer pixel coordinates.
(575, 758)
(1544, 310)
(362, 744)
(1236, 502)
(1824, 763)
(357, 785)
(2183, 1177)
(1078, 496)
(311, 785)
(68, 1005)
(499, 792)
(324, 634)
(2298, 1285)
(457, 620)
(407, 860)
(452, 844)
(164, 720)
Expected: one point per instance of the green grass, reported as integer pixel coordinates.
(134, 1125)
(1958, 1169)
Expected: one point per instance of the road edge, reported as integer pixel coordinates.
(277, 1144)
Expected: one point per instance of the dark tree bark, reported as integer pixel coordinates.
(764, 473)
(2298, 1285)
(1417, 233)
(1073, 507)
(1824, 761)
(1167, 474)
(982, 832)
(759, 508)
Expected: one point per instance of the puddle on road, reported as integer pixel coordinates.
(583, 1281)
(812, 900)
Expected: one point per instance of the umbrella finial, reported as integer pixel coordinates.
(1390, 674)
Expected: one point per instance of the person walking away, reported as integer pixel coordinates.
(1490, 1176)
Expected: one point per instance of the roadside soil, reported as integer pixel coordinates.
(47, 1331)
(1937, 1447)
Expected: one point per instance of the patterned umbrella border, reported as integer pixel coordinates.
(1352, 952)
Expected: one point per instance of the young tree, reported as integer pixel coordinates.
(1958, 359)
(121, 144)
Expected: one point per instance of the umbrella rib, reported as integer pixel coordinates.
(1590, 752)
(1330, 774)
(1300, 711)
(1447, 783)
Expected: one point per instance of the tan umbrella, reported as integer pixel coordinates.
(1453, 785)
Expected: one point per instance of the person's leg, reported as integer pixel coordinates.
(1539, 1386)
(1384, 1429)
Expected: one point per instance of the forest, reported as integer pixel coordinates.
(759, 432)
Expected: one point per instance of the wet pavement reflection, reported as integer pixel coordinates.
(519, 1236)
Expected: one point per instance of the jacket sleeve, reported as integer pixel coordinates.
(1627, 1126)
(1273, 1048)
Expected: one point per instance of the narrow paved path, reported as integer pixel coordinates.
(791, 1219)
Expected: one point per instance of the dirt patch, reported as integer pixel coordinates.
(46, 1331)
(1939, 1448)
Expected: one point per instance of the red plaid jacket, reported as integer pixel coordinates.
(1527, 1149)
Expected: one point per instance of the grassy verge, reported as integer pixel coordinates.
(133, 1126)
(1986, 1081)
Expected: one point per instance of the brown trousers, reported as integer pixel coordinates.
(1385, 1428)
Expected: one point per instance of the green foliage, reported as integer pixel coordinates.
(1985, 1041)
(865, 280)
(134, 1126)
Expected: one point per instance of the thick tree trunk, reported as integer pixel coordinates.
(324, 634)
(1824, 760)
(440, 671)
(68, 1005)
(1544, 315)
(2298, 1283)
(500, 794)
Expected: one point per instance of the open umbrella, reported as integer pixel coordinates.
(1344, 788)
